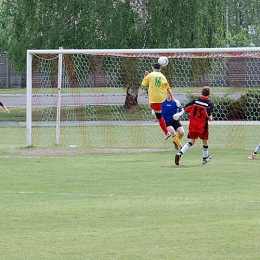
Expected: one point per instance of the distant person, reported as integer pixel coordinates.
(4, 107)
(171, 112)
(200, 111)
(253, 155)
(158, 87)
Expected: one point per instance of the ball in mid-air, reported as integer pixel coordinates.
(163, 61)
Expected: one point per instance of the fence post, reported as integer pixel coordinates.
(7, 72)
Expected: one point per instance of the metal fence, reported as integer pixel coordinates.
(8, 78)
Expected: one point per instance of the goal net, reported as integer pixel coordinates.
(93, 98)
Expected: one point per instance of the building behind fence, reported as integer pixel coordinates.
(8, 78)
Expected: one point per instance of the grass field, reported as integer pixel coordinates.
(135, 205)
(44, 90)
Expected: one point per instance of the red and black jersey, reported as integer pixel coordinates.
(199, 110)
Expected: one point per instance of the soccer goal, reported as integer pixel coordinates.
(93, 98)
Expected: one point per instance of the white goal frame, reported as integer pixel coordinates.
(61, 52)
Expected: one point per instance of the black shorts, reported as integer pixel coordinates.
(174, 124)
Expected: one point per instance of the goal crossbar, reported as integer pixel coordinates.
(100, 51)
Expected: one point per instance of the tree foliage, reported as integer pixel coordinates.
(81, 24)
(184, 24)
(242, 14)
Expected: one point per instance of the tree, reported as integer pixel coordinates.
(242, 14)
(37, 24)
(81, 24)
(184, 24)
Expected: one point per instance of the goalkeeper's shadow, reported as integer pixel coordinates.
(182, 166)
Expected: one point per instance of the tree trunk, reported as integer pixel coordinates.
(131, 98)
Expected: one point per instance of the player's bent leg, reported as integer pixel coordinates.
(205, 152)
(174, 137)
(163, 127)
(206, 160)
(177, 158)
(252, 156)
(171, 130)
(162, 124)
(183, 150)
(180, 136)
(180, 132)
(153, 114)
(177, 142)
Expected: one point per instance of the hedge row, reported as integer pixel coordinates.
(245, 107)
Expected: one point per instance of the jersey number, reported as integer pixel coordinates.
(158, 82)
(198, 112)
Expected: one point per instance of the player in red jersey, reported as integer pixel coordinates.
(200, 111)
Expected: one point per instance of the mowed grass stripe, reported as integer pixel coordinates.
(129, 206)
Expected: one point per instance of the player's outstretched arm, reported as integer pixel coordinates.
(170, 94)
(145, 80)
(180, 110)
(5, 108)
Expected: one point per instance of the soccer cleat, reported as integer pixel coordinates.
(175, 145)
(168, 135)
(251, 156)
(206, 160)
(177, 158)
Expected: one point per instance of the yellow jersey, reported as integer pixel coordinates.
(158, 86)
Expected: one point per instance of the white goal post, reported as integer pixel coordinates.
(74, 96)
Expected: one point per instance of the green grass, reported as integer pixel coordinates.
(127, 205)
(101, 113)
(215, 89)
(92, 113)
(109, 136)
(18, 114)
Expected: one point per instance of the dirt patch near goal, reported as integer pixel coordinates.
(38, 152)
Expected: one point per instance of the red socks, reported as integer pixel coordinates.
(163, 125)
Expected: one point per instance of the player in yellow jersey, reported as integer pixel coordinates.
(158, 87)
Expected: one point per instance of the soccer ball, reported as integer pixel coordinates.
(163, 61)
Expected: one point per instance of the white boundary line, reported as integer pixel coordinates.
(122, 123)
(67, 194)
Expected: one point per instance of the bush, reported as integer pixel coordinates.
(236, 109)
(246, 107)
(252, 110)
